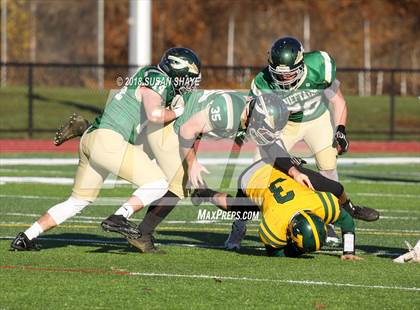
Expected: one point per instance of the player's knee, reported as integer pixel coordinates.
(330, 174)
(67, 209)
(152, 191)
(326, 159)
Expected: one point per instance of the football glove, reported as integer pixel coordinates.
(341, 139)
(177, 105)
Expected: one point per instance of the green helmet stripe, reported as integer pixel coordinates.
(324, 203)
(272, 235)
(229, 111)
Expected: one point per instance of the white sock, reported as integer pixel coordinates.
(34, 231)
(126, 210)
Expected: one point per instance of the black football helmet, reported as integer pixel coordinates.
(285, 62)
(183, 66)
(268, 114)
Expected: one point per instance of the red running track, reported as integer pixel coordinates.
(46, 146)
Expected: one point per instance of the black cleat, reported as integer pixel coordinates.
(74, 127)
(145, 244)
(119, 224)
(22, 243)
(361, 213)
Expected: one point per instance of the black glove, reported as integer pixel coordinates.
(341, 139)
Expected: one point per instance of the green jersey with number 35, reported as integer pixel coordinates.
(224, 109)
(307, 101)
(124, 111)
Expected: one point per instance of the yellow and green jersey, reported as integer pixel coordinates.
(279, 198)
(223, 107)
(307, 100)
(124, 111)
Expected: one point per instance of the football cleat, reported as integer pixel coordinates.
(361, 213)
(145, 244)
(119, 224)
(22, 243)
(74, 127)
(236, 235)
(332, 237)
(412, 256)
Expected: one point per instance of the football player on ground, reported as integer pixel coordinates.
(294, 217)
(308, 84)
(109, 144)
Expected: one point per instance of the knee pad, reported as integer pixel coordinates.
(67, 209)
(152, 191)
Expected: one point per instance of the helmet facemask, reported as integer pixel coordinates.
(285, 77)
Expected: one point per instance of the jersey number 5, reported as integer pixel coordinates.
(277, 190)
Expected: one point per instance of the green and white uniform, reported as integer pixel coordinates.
(125, 113)
(109, 145)
(224, 110)
(307, 103)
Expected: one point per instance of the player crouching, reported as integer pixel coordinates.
(294, 217)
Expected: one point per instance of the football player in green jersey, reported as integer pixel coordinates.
(309, 87)
(109, 145)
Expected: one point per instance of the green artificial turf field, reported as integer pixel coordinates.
(83, 267)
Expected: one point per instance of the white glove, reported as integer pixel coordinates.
(177, 105)
(413, 254)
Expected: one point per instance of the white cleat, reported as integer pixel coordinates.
(236, 235)
(412, 256)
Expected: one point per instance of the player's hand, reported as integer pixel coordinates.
(303, 179)
(350, 257)
(177, 105)
(342, 143)
(194, 174)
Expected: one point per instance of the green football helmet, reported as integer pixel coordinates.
(285, 62)
(308, 231)
(183, 66)
(268, 114)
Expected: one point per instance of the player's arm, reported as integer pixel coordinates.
(280, 159)
(187, 135)
(288, 250)
(346, 223)
(337, 101)
(153, 105)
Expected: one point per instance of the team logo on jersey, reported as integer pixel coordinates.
(180, 63)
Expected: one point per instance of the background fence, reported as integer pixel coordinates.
(36, 97)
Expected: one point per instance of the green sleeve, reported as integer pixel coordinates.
(328, 68)
(345, 222)
(159, 83)
(288, 250)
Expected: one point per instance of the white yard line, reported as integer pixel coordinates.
(213, 161)
(229, 278)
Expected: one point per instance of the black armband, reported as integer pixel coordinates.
(349, 243)
(186, 143)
